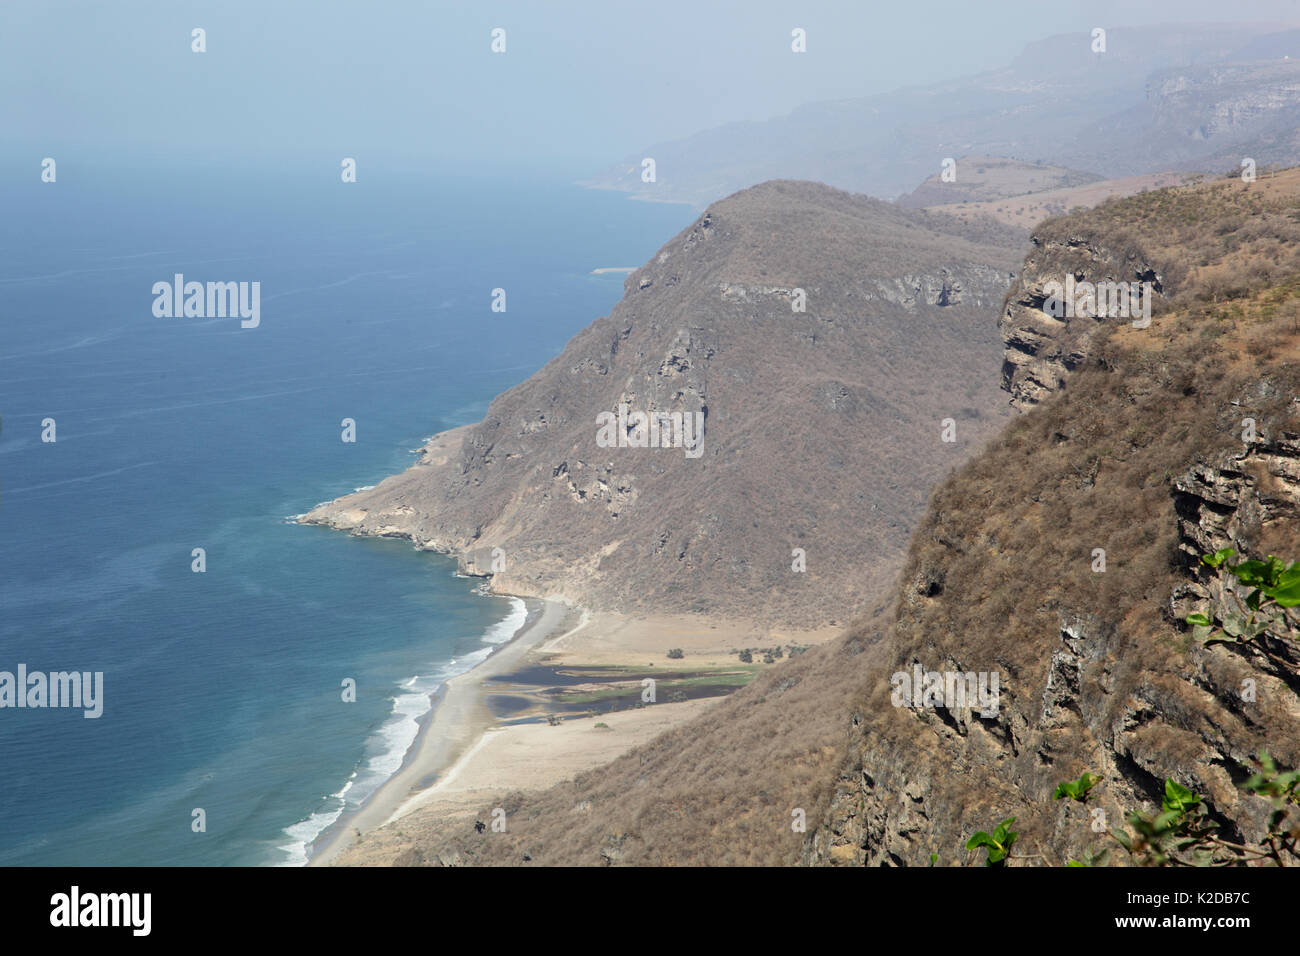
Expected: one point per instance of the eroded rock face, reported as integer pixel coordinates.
(1248, 501)
(1091, 693)
(923, 780)
(1042, 349)
(1231, 501)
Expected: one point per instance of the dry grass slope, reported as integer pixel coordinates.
(1097, 672)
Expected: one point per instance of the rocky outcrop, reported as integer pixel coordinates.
(1238, 498)
(1249, 501)
(1098, 671)
(922, 781)
(1043, 348)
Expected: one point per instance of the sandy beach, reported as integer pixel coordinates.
(459, 717)
(488, 733)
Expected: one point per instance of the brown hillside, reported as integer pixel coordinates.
(983, 179)
(821, 432)
(1133, 444)
(1026, 210)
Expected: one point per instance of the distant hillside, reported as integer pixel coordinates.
(822, 427)
(980, 179)
(1206, 118)
(1167, 97)
(1024, 211)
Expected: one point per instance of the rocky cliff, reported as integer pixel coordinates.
(1042, 347)
(1063, 558)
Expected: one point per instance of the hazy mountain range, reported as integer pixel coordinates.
(1159, 98)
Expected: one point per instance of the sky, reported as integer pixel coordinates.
(582, 84)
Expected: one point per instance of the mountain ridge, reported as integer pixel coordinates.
(709, 326)
(1056, 103)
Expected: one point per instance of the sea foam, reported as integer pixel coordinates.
(387, 748)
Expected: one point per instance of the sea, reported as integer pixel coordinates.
(129, 441)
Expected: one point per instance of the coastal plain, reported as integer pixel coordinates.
(565, 695)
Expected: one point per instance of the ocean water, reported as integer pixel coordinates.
(222, 689)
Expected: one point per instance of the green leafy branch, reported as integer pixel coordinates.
(1274, 589)
(1077, 790)
(998, 843)
(1181, 833)
(1280, 788)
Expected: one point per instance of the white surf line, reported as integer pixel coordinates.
(83, 478)
(444, 781)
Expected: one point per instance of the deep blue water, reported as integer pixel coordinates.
(222, 689)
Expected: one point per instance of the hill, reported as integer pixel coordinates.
(983, 179)
(1026, 210)
(1136, 442)
(822, 429)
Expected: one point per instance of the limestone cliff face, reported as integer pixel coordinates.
(1225, 112)
(1247, 500)
(1041, 349)
(1139, 447)
(1088, 693)
(1235, 500)
(817, 335)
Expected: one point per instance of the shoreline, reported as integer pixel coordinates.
(457, 720)
(569, 700)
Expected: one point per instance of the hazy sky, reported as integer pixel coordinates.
(583, 82)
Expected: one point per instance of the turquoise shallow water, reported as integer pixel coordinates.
(222, 689)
